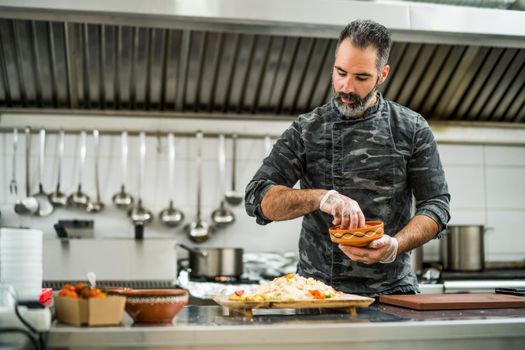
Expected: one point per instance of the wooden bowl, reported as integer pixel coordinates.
(154, 305)
(358, 237)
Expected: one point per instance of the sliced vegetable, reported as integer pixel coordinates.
(316, 294)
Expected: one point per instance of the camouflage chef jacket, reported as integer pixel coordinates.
(379, 160)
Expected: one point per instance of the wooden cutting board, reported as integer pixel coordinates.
(454, 301)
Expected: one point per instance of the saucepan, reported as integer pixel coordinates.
(210, 263)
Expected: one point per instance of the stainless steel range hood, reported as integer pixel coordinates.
(252, 58)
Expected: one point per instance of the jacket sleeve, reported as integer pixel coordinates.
(284, 166)
(427, 177)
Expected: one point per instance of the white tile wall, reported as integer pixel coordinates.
(487, 184)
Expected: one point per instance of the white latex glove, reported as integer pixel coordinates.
(389, 246)
(383, 250)
(346, 211)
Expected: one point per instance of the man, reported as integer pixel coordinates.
(357, 157)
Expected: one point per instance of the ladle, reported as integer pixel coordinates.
(233, 196)
(123, 199)
(94, 206)
(198, 231)
(59, 199)
(267, 145)
(171, 216)
(45, 207)
(138, 214)
(222, 216)
(79, 199)
(200, 252)
(13, 186)
(28, 205)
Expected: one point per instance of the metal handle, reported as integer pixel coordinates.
(60, 157)
(82, 158)
(28, 155)
(234, 156)
(200, 252)
(96, 144)
(171, 163)
(124, 158)
(222, 164)
(267, 145)
(199, 174)
(142, 159)
(42, 155)
(15, 148)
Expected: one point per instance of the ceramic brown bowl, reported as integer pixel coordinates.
(358, 237)
(154, 305)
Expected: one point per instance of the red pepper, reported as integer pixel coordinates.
(316, 294)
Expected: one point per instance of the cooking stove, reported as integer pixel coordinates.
(225, 280)
(135, 284)
(485, 281)
(487, 274)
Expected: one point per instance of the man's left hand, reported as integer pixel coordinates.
(383, 250)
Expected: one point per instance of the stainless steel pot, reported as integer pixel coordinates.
(462, 248)
(210, 263)
(416, 260)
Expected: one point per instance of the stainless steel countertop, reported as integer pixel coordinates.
(200, 327)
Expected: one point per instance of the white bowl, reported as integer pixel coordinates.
(28, 293)
(20, 270)
(20, 273)
(19, 232)
(13, 275)
(13, 265)
(21, 254)
(7, 247)
(21, 258)
(25, 284)
(22, 242)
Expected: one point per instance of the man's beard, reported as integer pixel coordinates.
(357, 106)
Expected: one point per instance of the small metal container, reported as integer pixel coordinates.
(416, 260)
(210, 263)
(462, 248)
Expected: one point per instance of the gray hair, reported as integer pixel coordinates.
(364, 33)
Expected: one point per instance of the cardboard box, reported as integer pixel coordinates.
(90, 312)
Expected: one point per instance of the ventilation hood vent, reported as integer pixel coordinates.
(188, 60)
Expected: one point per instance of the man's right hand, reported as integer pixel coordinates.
(346, 211)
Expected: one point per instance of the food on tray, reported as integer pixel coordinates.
(290, 287)
(80, 290)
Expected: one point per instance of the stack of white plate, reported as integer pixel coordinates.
(21, 261)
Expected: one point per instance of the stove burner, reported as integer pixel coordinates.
(488, 274)
(224, 279)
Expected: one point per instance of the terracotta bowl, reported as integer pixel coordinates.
(358, 237)
(154, 305)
